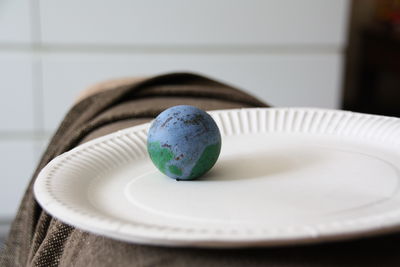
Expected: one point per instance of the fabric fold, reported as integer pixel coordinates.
(38, 239)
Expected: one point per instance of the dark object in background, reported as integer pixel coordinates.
(378, 85)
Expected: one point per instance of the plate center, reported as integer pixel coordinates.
(273, 183)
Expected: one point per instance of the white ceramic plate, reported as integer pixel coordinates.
(284, 176)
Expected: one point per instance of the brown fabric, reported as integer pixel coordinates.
(37, 239)
(107, 85)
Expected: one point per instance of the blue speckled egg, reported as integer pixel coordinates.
(184, 142)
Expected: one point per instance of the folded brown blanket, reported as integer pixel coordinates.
(37, 239)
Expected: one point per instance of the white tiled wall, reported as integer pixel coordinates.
(205, 22)
(311, 80)
(16, 87)
(15, 175)
(287, 52)
(14, 22)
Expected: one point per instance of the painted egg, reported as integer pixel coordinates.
(184, 142)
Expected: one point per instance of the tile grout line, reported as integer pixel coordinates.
(37, 80)
(38, 96)
(45, 49)
(24, 135)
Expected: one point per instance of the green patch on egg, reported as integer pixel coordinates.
(206, 160)
(160, 155)
(175, 170)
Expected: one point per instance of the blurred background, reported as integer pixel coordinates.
(338, 54)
